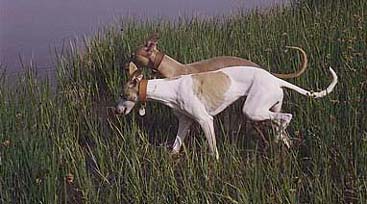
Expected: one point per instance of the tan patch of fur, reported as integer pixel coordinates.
(218, 63)
(211, 87)
(169, 67)
(141, 60)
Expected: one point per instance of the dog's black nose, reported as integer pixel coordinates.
(118, 111)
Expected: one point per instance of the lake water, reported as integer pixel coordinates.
(31, 29)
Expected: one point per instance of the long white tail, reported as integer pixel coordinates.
(319, 94)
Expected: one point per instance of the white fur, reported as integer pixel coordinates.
(264, 100)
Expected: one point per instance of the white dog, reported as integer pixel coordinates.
(199, 97)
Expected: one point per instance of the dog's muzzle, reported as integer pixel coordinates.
(124, 107)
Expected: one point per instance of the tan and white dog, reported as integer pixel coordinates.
(199, 97)
(149, 56)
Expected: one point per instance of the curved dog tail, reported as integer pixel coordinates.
(302, 67)
(319, 94)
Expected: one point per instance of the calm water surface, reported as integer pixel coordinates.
(31, 29)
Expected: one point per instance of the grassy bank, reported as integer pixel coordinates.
(59, 144)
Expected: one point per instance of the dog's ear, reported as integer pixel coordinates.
(152, 42)
(132, 68)
(136, 78)
(135, 73)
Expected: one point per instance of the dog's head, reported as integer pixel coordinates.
(130, 92)
(148, 55)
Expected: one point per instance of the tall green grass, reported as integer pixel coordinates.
(48, 133)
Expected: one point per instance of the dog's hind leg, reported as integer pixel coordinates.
(259, 106)
(282, 121)
(281, 132)
(184, 124)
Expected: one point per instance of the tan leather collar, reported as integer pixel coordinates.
(143, 90)
(157, 61)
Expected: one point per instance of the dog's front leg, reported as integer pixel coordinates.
(184, 124)
(207, 126)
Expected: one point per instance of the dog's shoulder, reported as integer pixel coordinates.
(210, 87)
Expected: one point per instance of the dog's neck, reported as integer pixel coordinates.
(163, 91)
(169, 67)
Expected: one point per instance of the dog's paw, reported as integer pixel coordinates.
(175, 155)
